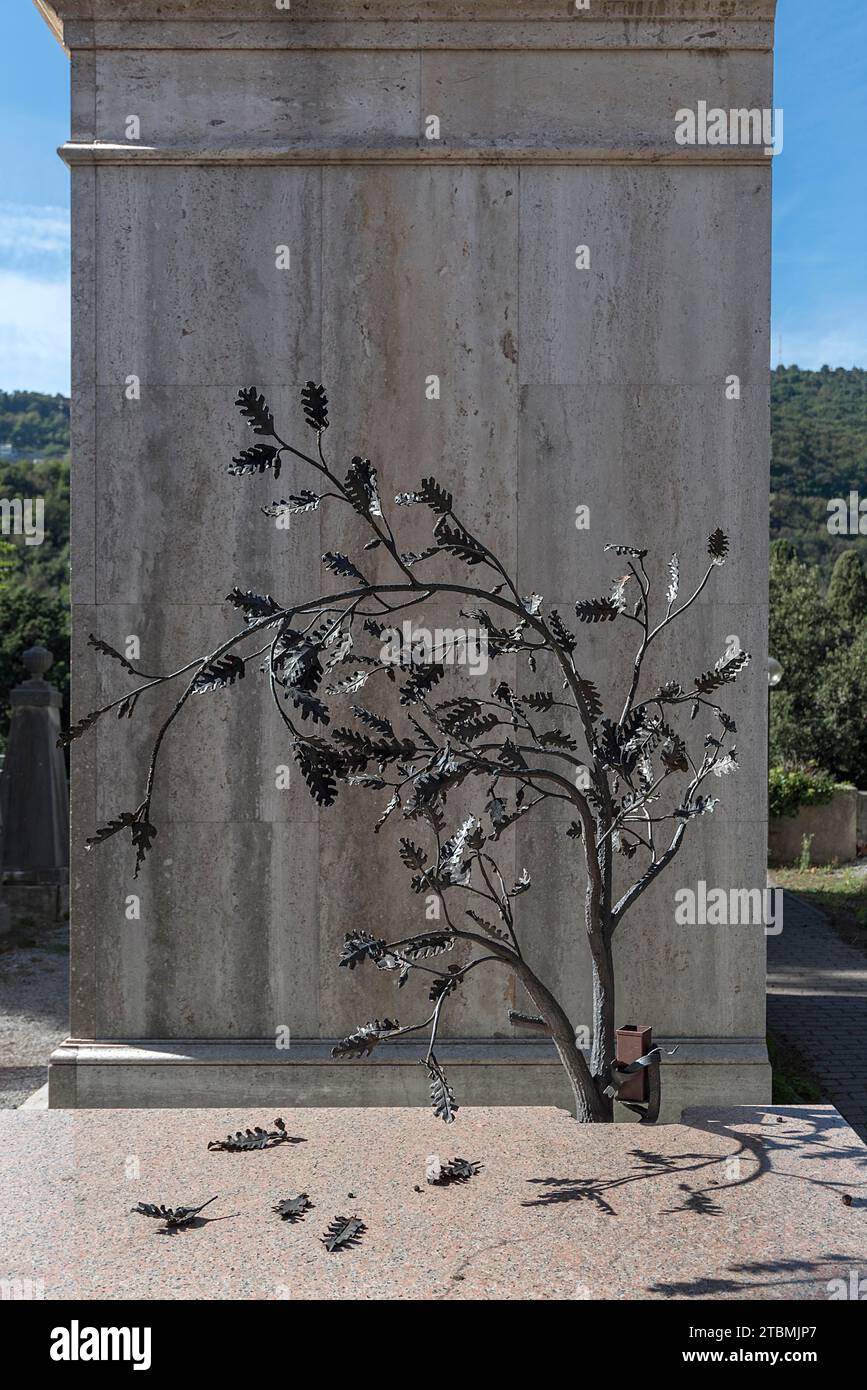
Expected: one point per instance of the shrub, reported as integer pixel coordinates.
(790, 788)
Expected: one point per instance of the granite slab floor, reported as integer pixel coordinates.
(745, 1203)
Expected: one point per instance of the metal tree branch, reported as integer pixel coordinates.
(617, 793)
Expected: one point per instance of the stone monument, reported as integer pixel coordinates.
(492, 233)
(34, 796)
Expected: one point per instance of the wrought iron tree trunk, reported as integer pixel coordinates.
(590, 1104)
(630, 762)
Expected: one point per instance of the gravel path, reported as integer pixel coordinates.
(34, 1003)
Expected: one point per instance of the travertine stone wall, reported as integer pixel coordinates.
(604, 387)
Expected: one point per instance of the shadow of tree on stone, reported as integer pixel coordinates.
(699, 1200)
(815, 1142)
(823, 1266)
(592, 1189)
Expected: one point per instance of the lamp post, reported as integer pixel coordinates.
(775, 675)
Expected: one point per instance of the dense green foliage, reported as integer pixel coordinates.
(45, 567)
(818, 452)
(34, 424)
(34, 579)
(790, 788)
(819, 635)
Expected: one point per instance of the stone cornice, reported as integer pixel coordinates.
(440, 24)
(76, 153)
(406, 11)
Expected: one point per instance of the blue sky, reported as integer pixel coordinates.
(820, 193)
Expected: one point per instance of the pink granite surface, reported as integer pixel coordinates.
(738, 1203)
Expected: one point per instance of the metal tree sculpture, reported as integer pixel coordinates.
(619, 792)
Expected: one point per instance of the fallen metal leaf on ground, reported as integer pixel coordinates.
(293, 1208)
(344, 1231)
(172, 1216)
(441, 1174)
(244, 1140)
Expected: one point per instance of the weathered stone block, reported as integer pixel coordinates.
(410, 258)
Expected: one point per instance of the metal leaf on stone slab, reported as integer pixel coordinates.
(243, 1141)
(293, 1208)
(343, 1233)
(456, 1170)
(172, 1216)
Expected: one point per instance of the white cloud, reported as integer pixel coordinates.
(34, 333)
(34, 239)
(34, 298)
(821, 344)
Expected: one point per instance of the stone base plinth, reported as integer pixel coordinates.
(37, 902)
(527, 1072)
(740, 1203)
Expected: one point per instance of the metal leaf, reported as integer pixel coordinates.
(674, 580)
(361, 487)
(445, 985)
(459, 542)
(318, 771)
(342, 565)
(259, 459)
(365, 1038)
(373, 721)
(722, 673)
(110, 651)
(718, 546)
(564, 637)
(627, 550)
(220, 673)
(360, 946)
(343, 1232)
(422, 680)
(430, 494)
(456, 1170)
(294, 505)
(293, 1208)
(315, 403)
(172, 1216)
(486, 926)
(253, 407)
(245, 1140)
(432, 943)
(442, 1097)
(253, 606)
(597, 610)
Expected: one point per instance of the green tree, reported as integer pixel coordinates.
(34, 423)
(818, 452)
(847, 591)
(43, 567)
(802, 630)
(843, 698)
